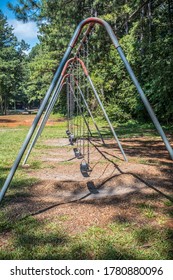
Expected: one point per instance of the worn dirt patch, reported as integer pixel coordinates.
(111, 191)
(13, 121)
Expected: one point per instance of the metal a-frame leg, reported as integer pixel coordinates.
(91, 115)
(81, 111)
(43, 122)
(107, 118)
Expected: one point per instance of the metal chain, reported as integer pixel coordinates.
(83, 58)
(68, 107)
(77, 109)
(87, 98)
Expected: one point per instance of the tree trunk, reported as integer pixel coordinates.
(170, 15)
(142, 30)
(1, 106)
(149, 22)
(126, 21)
(102, 91)
(1, 102)
(5, 104)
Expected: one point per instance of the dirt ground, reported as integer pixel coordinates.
(19, 120)
(111, 190)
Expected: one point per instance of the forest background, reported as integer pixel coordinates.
(144, 29)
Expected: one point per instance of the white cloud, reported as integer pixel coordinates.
(26, 31)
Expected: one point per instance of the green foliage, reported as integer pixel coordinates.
(145, 31)
(12, 66)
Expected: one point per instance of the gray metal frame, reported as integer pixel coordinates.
(48, 112)
(107, 118)
(56, 81)
(43, 122)
(90, 113)
(100, 103)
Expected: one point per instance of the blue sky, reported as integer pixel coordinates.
(27, 31)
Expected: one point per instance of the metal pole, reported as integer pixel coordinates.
(107, 118)
(52, 102)
(49, 109)
(91, 115)
(47, 115)
(43, 122)
(45, 118)
(146, 102)
(98, 99)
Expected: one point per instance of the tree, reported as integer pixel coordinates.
(12, 65)
(145, 30)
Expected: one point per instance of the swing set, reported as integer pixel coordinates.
(74, 73)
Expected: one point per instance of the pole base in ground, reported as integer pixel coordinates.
(25, 166)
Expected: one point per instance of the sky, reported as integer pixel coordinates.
(25, 31)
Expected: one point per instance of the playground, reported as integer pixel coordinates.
(125, 205)
(82, 185)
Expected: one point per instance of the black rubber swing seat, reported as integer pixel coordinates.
(72, 139)
(68, 132)
(77, 153)
(84, 168)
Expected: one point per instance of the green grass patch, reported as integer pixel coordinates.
(147, 210)
(169, 203)
(32, 239)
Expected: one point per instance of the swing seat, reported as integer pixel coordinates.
(68, 132)
(84, 167)
(72, 139)
(77, 153)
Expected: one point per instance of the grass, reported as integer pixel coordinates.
(31, 238)
(168, 202)
(147, 210)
